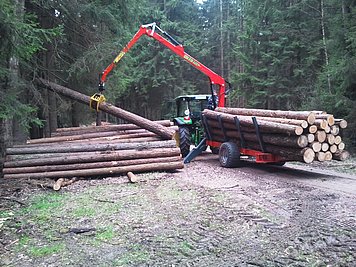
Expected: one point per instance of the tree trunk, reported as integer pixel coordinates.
(115, 111)
(324, 41)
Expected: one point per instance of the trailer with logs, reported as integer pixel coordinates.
(271, 136)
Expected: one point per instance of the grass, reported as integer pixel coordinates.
(42, 207)
(46, 250)
(136, 255)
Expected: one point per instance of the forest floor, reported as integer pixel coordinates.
(203, 215)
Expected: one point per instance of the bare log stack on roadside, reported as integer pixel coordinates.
(63, 157)
(293, 135)
(100, 151)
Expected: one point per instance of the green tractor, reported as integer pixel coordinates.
(191, 132)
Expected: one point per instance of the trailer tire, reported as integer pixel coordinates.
(184, 140)
(229, 155)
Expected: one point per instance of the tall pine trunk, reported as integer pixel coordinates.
(326, 55)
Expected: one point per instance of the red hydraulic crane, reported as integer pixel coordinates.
(154, 31)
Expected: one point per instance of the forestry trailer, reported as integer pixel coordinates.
(189, 107)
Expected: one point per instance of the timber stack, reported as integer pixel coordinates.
(96, 151)
(93, 151)
(304, 136)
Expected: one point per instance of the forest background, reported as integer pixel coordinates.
(277, 54)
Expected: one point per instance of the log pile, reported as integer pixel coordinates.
(141, 146)
(93, 151)
(293, 135)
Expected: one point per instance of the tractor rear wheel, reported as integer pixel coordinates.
(184, 140)
(229, 155)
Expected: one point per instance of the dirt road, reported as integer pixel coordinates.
(204, 215)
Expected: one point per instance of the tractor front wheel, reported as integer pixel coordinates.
(184, 140)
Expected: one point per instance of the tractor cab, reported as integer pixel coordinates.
(189, 108)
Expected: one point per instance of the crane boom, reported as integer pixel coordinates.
(164, 38)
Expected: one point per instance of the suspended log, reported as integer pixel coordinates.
(341, 155)
(92, 165)
(108, 108)
(341, 123)
(88, 147)
(271, 127)
(94, 157)
(274, 139)
(301, 115)
(101, 171)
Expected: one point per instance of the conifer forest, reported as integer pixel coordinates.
(277, 54)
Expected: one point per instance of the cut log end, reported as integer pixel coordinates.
(313, 129)
(58, 184)
(316, 146)
(299, 130)
(328, 156)
(308, 155)
(311, 118)
(320, 156)
(341, 155)
(132, 177)
(341, 123)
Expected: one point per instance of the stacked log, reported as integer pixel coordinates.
(81, 159)
(141, 146)
(293, 135)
